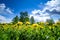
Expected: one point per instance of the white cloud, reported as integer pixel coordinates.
(9, 11)
(4, 19)
(36, 11)
(43, 15)
(2, 6)
(5, 10)
(38, 18)
(53, 4)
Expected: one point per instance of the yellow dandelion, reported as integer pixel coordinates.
(20, 23)
(51, 27)
(54, 25)
(32, 27)
(15, 26)
(35, 25)
(27, 23)
(58, 22)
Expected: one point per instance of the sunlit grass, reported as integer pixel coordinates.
(27, 31)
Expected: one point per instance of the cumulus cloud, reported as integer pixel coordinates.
(36, 11)
(40, 15)
(53, 12)
(51, 7)
(4, 19)
(4, 10)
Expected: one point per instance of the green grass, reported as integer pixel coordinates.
(29, 32)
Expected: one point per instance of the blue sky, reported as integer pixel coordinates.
(11, 8)
(22, 5)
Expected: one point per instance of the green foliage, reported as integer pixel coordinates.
(29, 32)
(50, 21)
(32, 20)
(24, 16)
(15, 20)
(58, 19)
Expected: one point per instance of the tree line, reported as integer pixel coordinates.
(24, 17)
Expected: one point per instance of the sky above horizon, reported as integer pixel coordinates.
(41, 10)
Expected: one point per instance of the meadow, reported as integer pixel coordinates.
(27, 31)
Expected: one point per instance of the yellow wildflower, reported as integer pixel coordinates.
(27, 23)
(54, 25)
(20, 23)
(58, 22)
(15, 26)
(51, 27)
(35, 25)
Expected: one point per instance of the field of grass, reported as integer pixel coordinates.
(38, 31)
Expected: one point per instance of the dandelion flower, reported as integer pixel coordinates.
(27, 23)
(20, 23)
(35, 25)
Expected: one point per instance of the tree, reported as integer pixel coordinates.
(24, 17)
(32, 20)
(50, 21)
(59, 19)
(15, 20)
